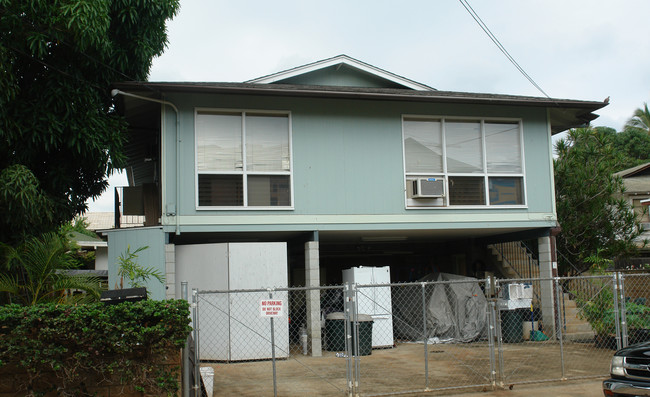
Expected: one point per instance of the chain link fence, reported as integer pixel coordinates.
(431, 336)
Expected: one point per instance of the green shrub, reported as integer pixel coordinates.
(598, 310)
(124, 342)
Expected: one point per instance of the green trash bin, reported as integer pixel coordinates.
(335, 333)
(512, 325)
(365, 334)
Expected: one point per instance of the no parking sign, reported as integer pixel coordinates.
(272, 308)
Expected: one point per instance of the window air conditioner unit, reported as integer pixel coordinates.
(428, 188)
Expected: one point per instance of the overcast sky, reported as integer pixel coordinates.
(587, 50)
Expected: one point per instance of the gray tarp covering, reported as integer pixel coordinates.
(456, 309)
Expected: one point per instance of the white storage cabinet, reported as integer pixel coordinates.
(231, 327)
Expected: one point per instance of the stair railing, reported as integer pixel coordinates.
(575, 286)
(519, 257)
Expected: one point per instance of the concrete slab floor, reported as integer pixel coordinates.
(584, 388)
(402, 369)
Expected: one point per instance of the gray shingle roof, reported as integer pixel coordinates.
(565, 113)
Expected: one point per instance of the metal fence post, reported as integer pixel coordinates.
(425, 336)
(499, 334)
(623, 301)
(185, 352)
(197, 355)
(491, 334)
(354, 293)
(616, 313)
(561, 313)
(275, 383)
(347, 303)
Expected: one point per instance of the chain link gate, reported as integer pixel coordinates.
(350, 356)
(431, 352)
(259, 352)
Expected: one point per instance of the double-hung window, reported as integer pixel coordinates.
(243, 159)
(476, 162)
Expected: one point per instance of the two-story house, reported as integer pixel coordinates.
(346, 163)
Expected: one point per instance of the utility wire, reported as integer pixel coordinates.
(496, 41)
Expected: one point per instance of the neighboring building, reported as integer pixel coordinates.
(96, 222)
(96, 245)
(99, 220)
(637, 193)
(344, 162)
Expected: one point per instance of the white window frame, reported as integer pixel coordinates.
(244, 172)
(443, 203)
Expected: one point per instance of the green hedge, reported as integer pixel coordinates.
(124, 343)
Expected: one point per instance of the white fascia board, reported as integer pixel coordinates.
(93, 244)
(341, 59)
(488, 218)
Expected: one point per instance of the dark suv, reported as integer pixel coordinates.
(630, 371)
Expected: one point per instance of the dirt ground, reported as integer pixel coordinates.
(451, 369)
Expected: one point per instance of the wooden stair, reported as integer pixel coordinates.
(513, 259)
(575, 329)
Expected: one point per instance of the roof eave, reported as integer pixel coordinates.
(564, 113)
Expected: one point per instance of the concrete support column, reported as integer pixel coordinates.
(547, 270)
(312, 279)
(170, 272)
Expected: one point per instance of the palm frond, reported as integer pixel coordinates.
(43, 262)
(640, 120)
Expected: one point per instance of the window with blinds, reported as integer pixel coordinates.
(481, 161)
(243, 159)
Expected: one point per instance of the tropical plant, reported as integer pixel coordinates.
(591, 209)
(70, 231)
(597, 303)
(136, 274)
(37, 271)
(80, 225)
(640, 121)
(599, 311)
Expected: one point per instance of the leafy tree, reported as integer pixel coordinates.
(640, 121)
(37, 273)
(591, 210)
(25, 207)
(80, 225)
(632, 144)
(59, 130)
(84, 259)
(606, 131)
(635, 144)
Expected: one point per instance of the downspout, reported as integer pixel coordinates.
(116, 92)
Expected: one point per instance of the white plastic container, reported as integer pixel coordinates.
(207, 375)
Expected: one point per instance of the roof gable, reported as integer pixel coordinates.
(639, 170)
(341, 70)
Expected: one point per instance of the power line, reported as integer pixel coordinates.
(496, 41)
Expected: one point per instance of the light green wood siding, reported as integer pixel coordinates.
(349, 164)
(342, 76)
(120, 240)
(348, 160)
